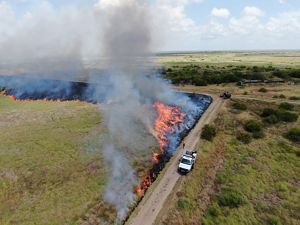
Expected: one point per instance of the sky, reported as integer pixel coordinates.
(183, 25)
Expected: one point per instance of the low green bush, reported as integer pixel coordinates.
(286, 106)
(263, 90)
(288, 116)
(281, 96)
(258, 134)
(214, 210)
(239, 106)
(230, 198)
(208, 132)
(253, 126)
(272, 119)
(274, 220)
(184, 203)
(294, 134)
(244, 137)
(268, 112)
(294, 98)
(273, 116)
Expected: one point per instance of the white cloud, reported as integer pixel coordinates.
(253, 11)
(220, 12)
(173, 29)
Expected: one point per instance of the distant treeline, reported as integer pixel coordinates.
(204, 75)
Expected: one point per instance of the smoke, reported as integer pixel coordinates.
(56, 44)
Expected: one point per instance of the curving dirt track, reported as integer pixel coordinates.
(155, 198)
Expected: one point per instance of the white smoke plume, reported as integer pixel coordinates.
(57, 43)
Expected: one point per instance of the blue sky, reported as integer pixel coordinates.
(196, 24)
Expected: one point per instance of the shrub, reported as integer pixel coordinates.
(282, 186)
(245, 93)
(258, 134)
(214, 210)
(288, 116)
(294, 98)
(244, 137)
(275, 96)
(281, 96)
(239, 106)
(263, 90)
(268, 112)
(252, 126)
(294, 134)
(274, 220)
(184, 203)
(230, 198)
(286, 106)
(272, 119)
(209, 132)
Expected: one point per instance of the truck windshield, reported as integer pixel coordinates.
(186, 161)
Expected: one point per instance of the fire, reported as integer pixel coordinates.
(167, 118)
(13, 98)
(155, 157)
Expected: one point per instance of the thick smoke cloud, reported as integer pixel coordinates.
(56, 45)
(134, 87)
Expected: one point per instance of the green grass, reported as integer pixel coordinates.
(265, 173)
(265, 176)
(50, 164)
(259, 180)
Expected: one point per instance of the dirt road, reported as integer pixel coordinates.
(154, 199)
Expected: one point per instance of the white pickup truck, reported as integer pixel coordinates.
(187, 161)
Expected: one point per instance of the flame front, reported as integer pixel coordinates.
(167, 118)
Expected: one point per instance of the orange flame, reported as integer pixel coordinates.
(13, 98)
(155, 157)
(167, 118)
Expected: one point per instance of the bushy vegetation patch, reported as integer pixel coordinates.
(272, 119)
(263, 90)
(214, 210)
(184, 203)
(230, 198)
(253, 126)
(294, 134)
(244, 137)
(209, 132)
(203, 75)
(273, 116)
(274, 220)
(268, 112)
(239, 106)
(282, 96)
(286, 106)
(258, 134)
(294, 98)
(288, 116)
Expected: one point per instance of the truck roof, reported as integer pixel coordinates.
(188, 157)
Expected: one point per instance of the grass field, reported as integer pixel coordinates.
(238, 183)
(50, 163)
(280, 59)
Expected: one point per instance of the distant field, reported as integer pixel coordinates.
(51, 170)
(282, 59)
